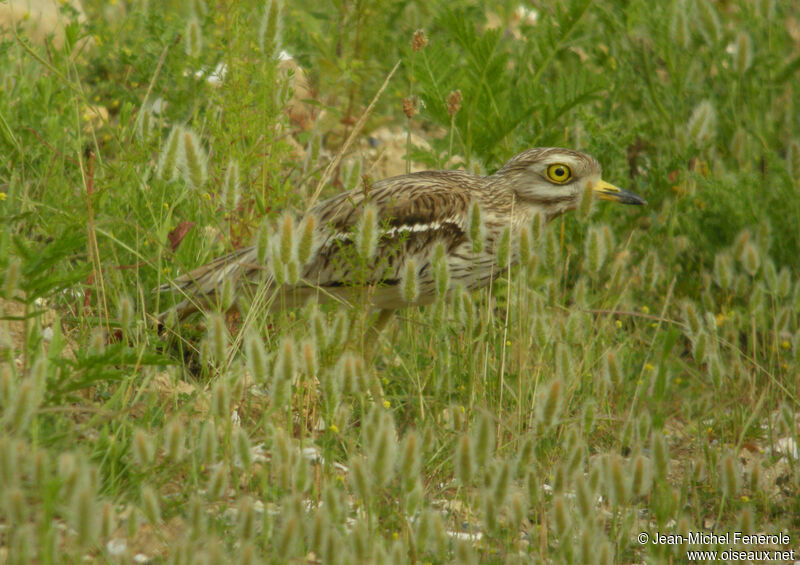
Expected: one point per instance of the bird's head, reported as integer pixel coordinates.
(554, 180)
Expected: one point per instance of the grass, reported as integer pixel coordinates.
(637, 372)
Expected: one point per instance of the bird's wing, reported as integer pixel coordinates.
(420, 198)
(415, 213)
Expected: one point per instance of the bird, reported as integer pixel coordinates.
(369, 240)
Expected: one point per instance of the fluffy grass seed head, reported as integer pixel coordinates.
(723, 270)
(660, 453)
(108, 520)
(589, 418)
(13, 271)
(596, 250)
(751, 259)
(221, 400)
(308, 357)
(525, 242)
(313, 151)
(339, 330)
(708, 22)
(518, 510)
(284, 372)
(542, 330)
(538, 225)
(69, 471)
(587, 200)
(742, 239)
(561, 515)
(651, 270)
(247, 520)
(26, 399)
(193, 160)
(692, 318)
(584, 495)
(318, 326)
(145, 124)
(679, 24)
(83, 511)
(360, 478)
(382, 451)
(702, 124)
(552, 247)
(641, 477)
(173, 440)
(217, 482)
(287, 234)
(269, 33)
(332, 381)
(410, 283)
(464, 460)
(746, 523)
(441, 271)
(262, 243)
(193, 36)
(716, 370)
(501, 484)
(476, 228)
(504, 248)
(9, 465)
(784, 283)
(413, 497)
(410, 460)
(349, 373)
(549, 403)
(227, 294)
(305, 244)
(770, 275)
(366, 236)
(217, 337)
(730, 476)
(617, 480)
(351, 174)
(292, 272)
(766, 9)
(171, 155)
(125, 313)
(230, 186)
(739, 146)
(151, 507)
(700, 343)
(563, 361)
(742, 53)
(256, 357)
(242, 448)
(143, 449)
(484, 439)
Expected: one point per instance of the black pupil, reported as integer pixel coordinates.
(560, 172)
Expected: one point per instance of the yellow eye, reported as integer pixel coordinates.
(559, 173)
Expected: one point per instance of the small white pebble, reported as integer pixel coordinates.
(117, 546)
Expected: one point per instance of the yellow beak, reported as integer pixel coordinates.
(606, 191)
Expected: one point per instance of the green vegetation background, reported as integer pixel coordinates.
(639, 372)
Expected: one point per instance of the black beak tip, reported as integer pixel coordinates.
(632, 199)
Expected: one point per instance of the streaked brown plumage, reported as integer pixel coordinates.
(415, 213)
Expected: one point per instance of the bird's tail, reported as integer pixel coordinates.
(201, 286)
